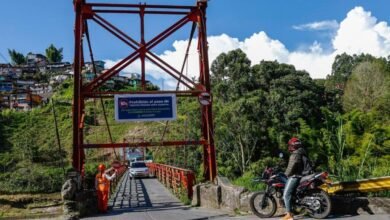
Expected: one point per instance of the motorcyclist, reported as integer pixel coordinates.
(293, 172)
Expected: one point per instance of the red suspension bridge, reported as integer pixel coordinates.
(141, 50)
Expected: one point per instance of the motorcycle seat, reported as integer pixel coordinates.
(303, 179)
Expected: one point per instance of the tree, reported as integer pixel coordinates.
(231, 75)
(53, 54)
(241, 134)
(291, 95)
(366, 86)
(342, 69)
(258, 108)
(16, 57)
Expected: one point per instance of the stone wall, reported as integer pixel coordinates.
(235, 199)
(223, 196)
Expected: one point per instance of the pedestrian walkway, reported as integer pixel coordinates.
(148, 199)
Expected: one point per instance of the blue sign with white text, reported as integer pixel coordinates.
(145, 107)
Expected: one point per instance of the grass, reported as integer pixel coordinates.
(30, 205)
(182, 195)
(246, 181)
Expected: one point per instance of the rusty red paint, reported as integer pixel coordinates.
(173, 177)
(142, 50)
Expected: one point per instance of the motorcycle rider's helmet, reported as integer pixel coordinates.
(293, 144)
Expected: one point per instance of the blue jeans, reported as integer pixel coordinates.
(291, 184)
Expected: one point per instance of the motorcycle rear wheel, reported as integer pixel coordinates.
(325, 204)
(265, 210)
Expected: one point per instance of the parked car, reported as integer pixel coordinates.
(138, 169)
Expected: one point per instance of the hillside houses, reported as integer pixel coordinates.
(22, 94)
(20, 90)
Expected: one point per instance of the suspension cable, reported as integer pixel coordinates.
(185, 61)
(101, 99)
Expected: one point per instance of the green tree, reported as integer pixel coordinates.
(53, 54)
(342, 69)
(16, 57)
(258, 108)
(291, 95)
(366, 86)
(231, 76)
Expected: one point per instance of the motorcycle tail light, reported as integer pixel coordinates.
(324, 175)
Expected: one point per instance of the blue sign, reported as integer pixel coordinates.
(145, 107)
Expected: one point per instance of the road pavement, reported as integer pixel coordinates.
(148, 199)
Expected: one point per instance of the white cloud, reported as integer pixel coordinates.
(319, 25)
(317, 63)
(260, 47)
(359, 32)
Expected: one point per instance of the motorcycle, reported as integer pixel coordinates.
(307, 196)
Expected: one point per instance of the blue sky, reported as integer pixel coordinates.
(32, 25)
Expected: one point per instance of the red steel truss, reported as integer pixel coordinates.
(142, 51)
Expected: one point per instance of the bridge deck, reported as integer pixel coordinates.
(148, 199)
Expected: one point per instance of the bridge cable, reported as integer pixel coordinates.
(101, 99)
(57, 135)
(185, 61)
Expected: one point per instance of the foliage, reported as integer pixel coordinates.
(16, 57)
(258, 108)
(342, 68)
(255, 171)
(53, 54)
(32, 179)
(366, 86)
(39, 77)
(30, 159)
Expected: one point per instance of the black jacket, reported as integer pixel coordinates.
(295, 163)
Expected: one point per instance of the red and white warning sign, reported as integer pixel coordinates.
(204, 98)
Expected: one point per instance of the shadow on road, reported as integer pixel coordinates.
(141, 195)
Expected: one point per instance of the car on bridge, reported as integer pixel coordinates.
(138, 169)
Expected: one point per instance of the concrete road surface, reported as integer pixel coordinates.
(148, 199)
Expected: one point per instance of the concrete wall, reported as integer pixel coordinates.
(235, 199)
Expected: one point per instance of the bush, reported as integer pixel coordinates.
(34, 179)
(246, 181)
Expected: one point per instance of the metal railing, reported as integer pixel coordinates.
(174, 178)
(119, 173)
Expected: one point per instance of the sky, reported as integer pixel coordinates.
(307, 34)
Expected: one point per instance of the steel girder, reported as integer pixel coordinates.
(142, 51)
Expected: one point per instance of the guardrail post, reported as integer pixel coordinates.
(190, 183)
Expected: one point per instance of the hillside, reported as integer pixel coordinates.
(256, 110)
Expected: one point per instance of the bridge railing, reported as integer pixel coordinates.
(362, 185)
(175, 178)
(120, 170)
